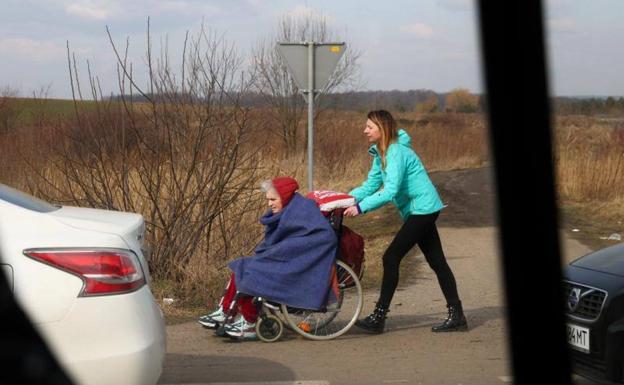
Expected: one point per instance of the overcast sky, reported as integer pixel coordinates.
(429, 44)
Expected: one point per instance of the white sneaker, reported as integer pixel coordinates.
(212, 320)
(242, 329)
(236, 324)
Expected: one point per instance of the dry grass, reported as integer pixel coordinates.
(341, 163)
(589, 160)
(590, 175)
(447, 141)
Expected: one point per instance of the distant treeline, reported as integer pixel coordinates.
(589, 105)
(430, 101)
(400, 101)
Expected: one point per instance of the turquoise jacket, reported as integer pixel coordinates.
(404, 179)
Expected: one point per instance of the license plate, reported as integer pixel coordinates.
(578, 337)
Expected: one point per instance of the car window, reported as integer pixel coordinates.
(24, 200)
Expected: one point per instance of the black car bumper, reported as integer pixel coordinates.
(588, 366)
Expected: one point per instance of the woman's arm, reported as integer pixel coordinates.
(395, 170)
(371, 184)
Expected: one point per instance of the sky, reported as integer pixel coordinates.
(428, 44)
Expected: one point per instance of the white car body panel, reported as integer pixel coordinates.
(108, 339)
(123, 352)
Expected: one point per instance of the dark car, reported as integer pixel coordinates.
(594, 294)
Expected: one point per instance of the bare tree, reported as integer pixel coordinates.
(181, 158)
(277, 87)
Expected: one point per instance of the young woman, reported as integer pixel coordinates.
(405, 183)
(292, 265)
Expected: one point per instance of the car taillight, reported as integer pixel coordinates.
(103, 271)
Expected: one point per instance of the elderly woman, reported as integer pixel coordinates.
(292, 265)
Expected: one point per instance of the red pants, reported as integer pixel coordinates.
(244, 303)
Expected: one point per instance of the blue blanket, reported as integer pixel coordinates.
(293, 264)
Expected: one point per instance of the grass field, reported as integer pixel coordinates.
(28, 110)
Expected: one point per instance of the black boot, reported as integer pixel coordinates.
(455, 321)
(376, 321)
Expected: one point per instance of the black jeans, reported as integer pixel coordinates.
(421, 230)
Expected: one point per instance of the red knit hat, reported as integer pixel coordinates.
(285, 187)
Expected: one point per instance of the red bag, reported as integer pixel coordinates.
(352, 251)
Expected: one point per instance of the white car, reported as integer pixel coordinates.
(82, 278)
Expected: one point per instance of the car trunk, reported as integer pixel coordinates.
(129, 226)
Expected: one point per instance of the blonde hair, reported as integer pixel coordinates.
(388, 128)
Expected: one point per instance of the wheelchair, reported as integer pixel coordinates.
(332, 321)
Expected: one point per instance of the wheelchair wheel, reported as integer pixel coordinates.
(337, 318)
(269, 328)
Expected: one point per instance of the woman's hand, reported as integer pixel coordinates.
(351, 211)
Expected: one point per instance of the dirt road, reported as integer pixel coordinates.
(408, 353)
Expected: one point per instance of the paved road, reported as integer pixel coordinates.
(408, 353)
